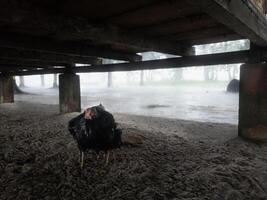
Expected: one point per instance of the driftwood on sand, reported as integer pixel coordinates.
(132, 139)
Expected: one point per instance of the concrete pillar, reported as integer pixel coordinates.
(6, 89)
(253, 102)
(69, 93)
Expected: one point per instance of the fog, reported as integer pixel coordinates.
(196, 93)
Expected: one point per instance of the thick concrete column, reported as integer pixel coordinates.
(69, 93)
(253, 102)
(6, 89)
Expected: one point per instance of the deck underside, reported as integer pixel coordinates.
(43, 34)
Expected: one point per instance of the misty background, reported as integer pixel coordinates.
(194, 93)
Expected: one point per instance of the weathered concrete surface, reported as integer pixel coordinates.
(69, 93)
(253, 102)
(6, 89)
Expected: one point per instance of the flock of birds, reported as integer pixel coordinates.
(95, 129)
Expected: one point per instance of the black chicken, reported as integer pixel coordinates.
(100, 133)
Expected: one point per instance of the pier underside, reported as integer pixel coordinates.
(42, 37)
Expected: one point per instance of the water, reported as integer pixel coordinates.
(198, 103)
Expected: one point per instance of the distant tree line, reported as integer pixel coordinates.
(176, 74)
(209, 72)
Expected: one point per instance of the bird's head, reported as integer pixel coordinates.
(90, 113)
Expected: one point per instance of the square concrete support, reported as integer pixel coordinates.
(69, 93)
(253, 102)
(6, 89)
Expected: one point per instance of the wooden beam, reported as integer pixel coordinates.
(180, 25)
(9, 68)
(119, 37)
(35, 56)
(43, 44)
(6, 67)
(239, 15)
(216, 39)
(188, 61)
(34, 64)
(159, 12)
(200, 34)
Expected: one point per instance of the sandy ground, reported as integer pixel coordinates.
(178, 160)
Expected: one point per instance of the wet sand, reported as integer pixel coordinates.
(178, 160)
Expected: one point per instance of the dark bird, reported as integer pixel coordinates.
(233, 86)
(95, 129)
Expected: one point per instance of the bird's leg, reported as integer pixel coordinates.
(80, 155)
(113, 156)
(107, 158)
(81, 159)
